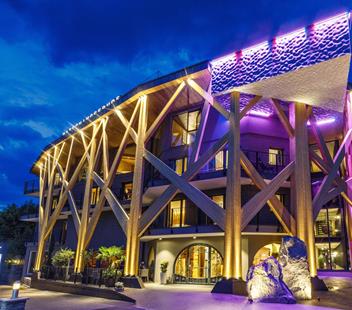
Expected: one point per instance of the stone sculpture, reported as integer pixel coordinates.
(295, 269)
(265, 284)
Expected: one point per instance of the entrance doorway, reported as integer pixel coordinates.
(198, 264)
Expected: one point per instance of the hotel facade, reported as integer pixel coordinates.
(210, 166)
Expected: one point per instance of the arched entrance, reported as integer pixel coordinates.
(198, 264)
(271, 249)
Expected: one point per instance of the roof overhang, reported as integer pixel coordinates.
(310, 65)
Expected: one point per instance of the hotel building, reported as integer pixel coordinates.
(209, 166)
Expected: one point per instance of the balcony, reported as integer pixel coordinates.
(31, 187)
(267, 164)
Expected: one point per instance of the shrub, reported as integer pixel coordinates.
(62, 257)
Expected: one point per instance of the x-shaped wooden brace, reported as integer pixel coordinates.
(332, 184)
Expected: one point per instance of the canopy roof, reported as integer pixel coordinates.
(310, 65)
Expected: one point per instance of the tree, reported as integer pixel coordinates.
(62, 257)
(15, 232)
(113, 255)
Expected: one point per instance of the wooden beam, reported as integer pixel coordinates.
(70, 185)
(301, 182)
(132, 241)
(112, 173)
(202, 201)
(115, 205)
(233, 241)
(161, 202)
(249, 106)
(164, 112)
(282, 214)
(283, 118)
(217, 106)
(195, 149)
(79, 255)
(254, 205)
(105, 162)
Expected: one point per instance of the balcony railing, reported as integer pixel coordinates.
(267, 164)
(31, 186)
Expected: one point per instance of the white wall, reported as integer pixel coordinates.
(168, 249)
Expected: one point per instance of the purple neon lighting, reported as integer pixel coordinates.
(259, 113)
(324, 40)
(323, 121)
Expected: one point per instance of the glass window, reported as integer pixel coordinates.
(198, 264)
(127, 191)
(177, 213)
(276, 156)
(219, 200)
(219, 161)
(328, 223)
(184, 127)
(57, 179)
(95, 195)
(330, 255)
(180, 165)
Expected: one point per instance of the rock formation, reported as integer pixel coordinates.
(293, 259)
(265, 284)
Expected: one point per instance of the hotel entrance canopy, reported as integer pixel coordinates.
(310, 65)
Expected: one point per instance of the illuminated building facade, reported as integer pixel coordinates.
(208, 167)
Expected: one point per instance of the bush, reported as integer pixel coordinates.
(62, 257)
(113, 256)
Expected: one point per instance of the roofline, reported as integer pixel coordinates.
(125, 97)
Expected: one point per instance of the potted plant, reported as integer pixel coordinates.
(112, 257)
(163, 270)
(62, 258)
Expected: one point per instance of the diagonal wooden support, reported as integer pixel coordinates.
(328, 179)
(254, 205)
(115, 205)
(282, 214)
(161, 202)
(71, 201)
(112, 173)
(216, 105)
(249, 106)
(202, 201)
(164, 112)
(283, 118)
(196, 145)
(70, 185)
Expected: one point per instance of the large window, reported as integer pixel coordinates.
(184, 128)
(330, 146)
(177, 213)
(198, 264)
(219, 200)
(329, 239)
(276, 157)
(328, 223)
(127, 191)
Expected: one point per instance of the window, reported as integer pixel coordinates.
(330, 146)
(127, 191)
(177, 213)
(94, 197)
(180, 165)
(54, 204)
(328, 223)
(276, 157)
(184, 128)
(219, 161)
(57, 179)
(219, 200)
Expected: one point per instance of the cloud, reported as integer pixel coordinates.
(43, 129)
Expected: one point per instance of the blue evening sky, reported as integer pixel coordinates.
(60, 60)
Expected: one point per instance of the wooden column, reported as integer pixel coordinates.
(233, 253)
(79, 257)
(132, 242)
(348, 207)
(301, 195)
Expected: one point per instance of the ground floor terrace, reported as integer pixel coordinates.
(181, 296)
